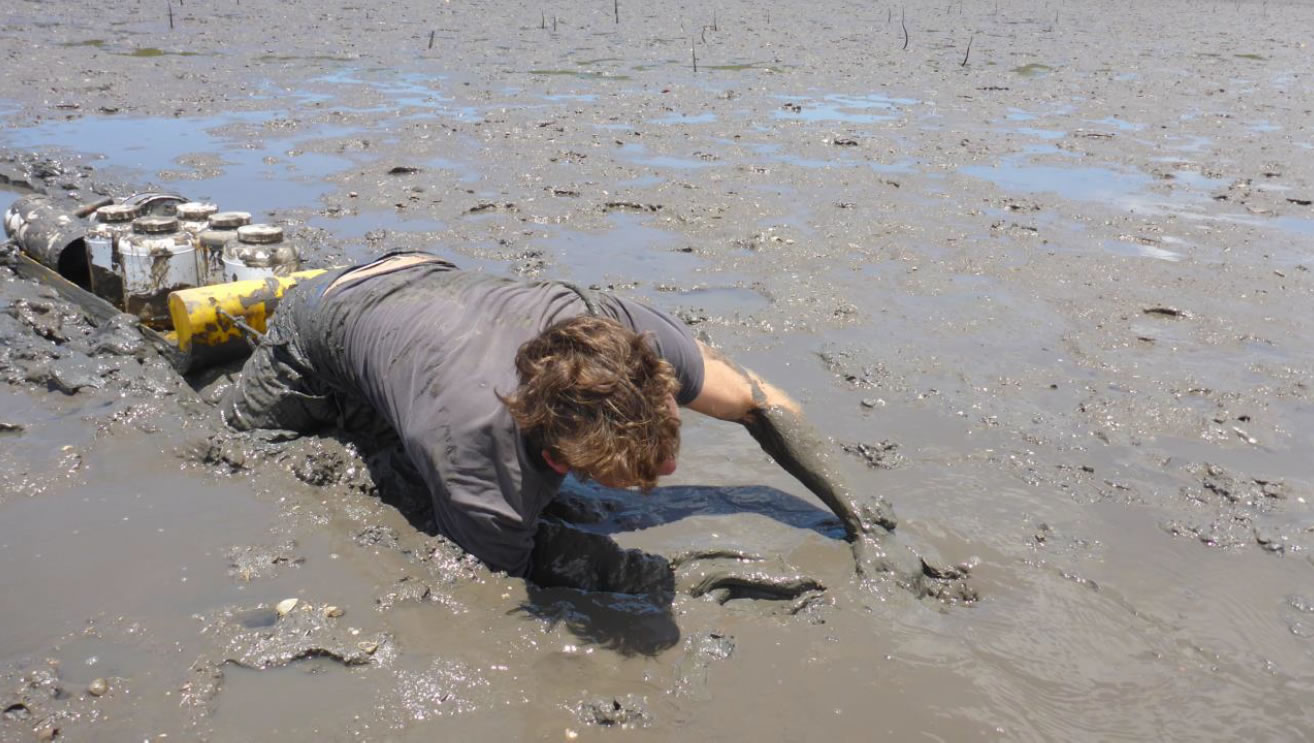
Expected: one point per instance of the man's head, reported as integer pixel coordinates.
(598, 401)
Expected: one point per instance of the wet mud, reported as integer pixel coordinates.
(1047, 297)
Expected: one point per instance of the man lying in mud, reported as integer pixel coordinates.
(498, 388)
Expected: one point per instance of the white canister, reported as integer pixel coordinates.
(110, 225)
(210, 246)
(157, 258)
(259, 253)
(194, 217)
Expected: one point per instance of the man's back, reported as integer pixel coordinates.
(430, 349)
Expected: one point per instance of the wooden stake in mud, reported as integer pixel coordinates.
(170, 4)
(554, 24)
(969, 50)
(902, 16)
(694, 50)
(542, 19)
(714, 27)
(616, 7)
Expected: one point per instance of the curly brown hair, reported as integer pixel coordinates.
(596, 396)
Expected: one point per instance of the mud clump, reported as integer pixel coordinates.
(406, 590)
(376, 535)
(628, 711)
(1230, 510)
(41, 705)
(701, 651)
(249, 639)
(881, 455)
(727, 586)
(247, 563)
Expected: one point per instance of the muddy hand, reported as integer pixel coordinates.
(564, 556)
(878, 553)
(638, 572)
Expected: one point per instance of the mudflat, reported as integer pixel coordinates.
(1041, 270)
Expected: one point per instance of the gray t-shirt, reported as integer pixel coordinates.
(429, 347)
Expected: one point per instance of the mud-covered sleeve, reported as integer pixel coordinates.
(672, 338)
(498, 543)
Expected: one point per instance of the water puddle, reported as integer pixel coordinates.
(1188, 143)
(1075, 184)
(643, 181)
(150, 51)
(865, 109)
(570, 97)
(629, 249)
(326, 695)
(723, 301)
(395, 91)
(1033, 69)
(1140, 250)
(254, 175)
(771, 152)
(465, 173)
(581, 74)
(1125, 189)
(1198, 181)
(637, 153)
(703, 118)
(1041, 133)
(303, 58)
(1119, 124)
(902, 167)
(1298, 225)
(744, 67)
(354, 226)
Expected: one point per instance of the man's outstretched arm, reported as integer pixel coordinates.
(733, 393)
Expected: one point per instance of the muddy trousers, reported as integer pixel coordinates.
(279, 387)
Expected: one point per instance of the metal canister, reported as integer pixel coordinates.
(156, 258)
(156, 204)
(110, 224)
(210, 250)
(259, 253)
(194, 217)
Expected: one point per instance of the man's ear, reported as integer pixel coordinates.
(556, 466)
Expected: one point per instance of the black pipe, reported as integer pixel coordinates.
(50, 235)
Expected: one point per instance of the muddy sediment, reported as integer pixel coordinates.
(1047, 298)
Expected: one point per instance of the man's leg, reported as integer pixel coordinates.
(277, 387)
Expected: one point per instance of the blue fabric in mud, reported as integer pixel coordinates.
(427, 347)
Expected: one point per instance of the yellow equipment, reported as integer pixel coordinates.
(208, 320)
